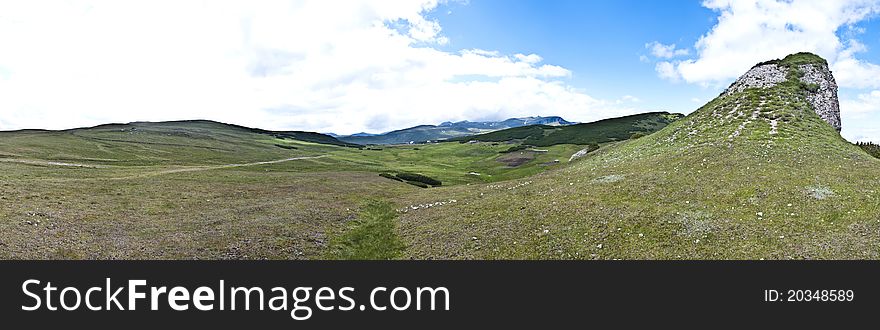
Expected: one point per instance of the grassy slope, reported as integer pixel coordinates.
(173, 144)
(603, 131)
(450, 163)
(140, 144)
(220, 214)
(372, 237)
(690, 190)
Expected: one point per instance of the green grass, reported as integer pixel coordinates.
(796, 59)
(450, 162)
(371, 237)
(148, 144)
(73, 213)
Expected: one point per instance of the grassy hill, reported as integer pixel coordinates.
(603, 131)
(751, 175)
(163, 143)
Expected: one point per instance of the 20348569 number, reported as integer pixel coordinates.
(793, 295)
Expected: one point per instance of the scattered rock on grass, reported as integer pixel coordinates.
(609, 178)
(820, 192)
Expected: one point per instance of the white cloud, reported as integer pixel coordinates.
(531, 58)
(749, 32)
(665, 51)
(863, 104)
(313, 65)
(859, 116)
(629, 98)
(871, 134)
(855, 73)
(666, 70)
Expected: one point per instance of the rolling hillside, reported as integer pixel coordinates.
(161, 143)
(207, 190)
(603, 131)
(756, 173)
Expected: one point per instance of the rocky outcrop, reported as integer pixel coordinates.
(821, 88)
(579, 154)
(824, 99)
(761, 76)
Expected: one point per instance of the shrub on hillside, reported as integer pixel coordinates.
(871, 148)
(514, 149)
(390, 176)
(812, 88)
(419, 178)
(636, 135)
(418, 184)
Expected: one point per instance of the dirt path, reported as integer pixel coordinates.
(161, 172)
(216, 167)
(48, 163)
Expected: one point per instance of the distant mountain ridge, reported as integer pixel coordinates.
(602, 131)
(511, 122)
(448, 130)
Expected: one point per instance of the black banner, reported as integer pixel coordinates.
(515, 294)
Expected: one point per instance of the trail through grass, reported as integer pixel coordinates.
(371, 237)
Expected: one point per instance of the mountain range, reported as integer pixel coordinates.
(447, 130)
(601, 131)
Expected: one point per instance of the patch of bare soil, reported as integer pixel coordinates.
(515, 159)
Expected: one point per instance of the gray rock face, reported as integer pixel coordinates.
(823, 99)
(762, 76)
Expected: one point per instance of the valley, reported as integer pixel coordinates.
(206, 190)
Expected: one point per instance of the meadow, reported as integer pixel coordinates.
(204, 190)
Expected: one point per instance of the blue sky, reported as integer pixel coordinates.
(599, 41)
(362, 65)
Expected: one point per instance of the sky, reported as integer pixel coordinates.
(352, 66)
